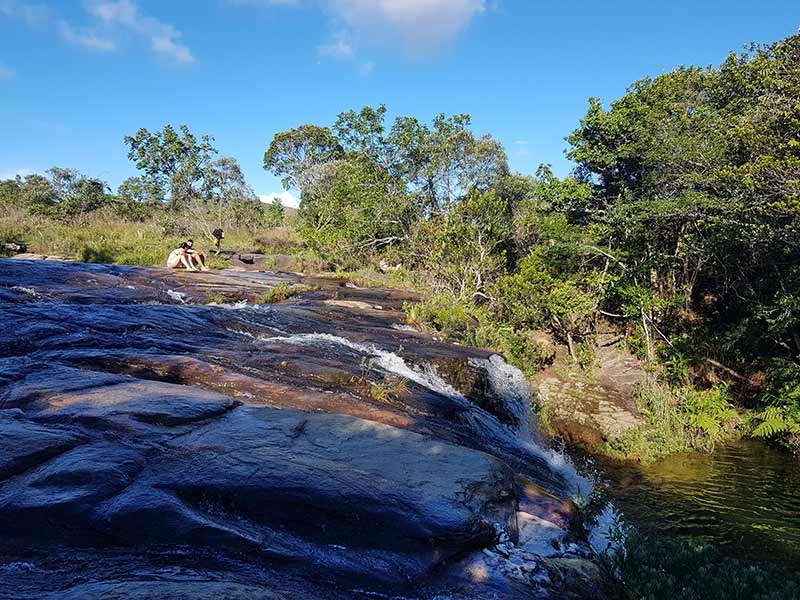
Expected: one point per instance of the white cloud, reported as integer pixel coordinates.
(423, 25)
(32, 14)
(167, 46)
(86, 38)
(286, 198)
(6, 73)
(111, 22)
(124, 16)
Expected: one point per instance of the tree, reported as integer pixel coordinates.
(696, 178)
(445, 162)
(298, 154)
(466, 250)
(361, 209)
(136, 199)
(274, 213)
(225, 199)
(175, 163)
(11, 192)
(362, 132)
(64, 194)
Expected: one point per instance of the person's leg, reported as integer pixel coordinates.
(187, 263)
(201, 260)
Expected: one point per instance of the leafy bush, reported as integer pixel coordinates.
(780, 418)
(474, 326)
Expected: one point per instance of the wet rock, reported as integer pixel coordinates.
(66, 395)
(576, 578)
(24, 444)
(309, 440)
(292, 484)
(55, 500)
(166, 590)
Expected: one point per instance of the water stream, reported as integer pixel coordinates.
(743, 498)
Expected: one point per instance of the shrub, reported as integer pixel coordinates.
(780, 418)
(677, 419)
(474, 326)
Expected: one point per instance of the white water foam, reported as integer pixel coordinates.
(241, 304)
(179, 296)
(25, 290)
(388, 361)
(510, 383)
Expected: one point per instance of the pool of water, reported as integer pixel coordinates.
(744, 498)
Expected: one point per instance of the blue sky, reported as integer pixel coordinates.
(77, 76)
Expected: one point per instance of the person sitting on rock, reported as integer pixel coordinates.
(196, 257)
(179, 257)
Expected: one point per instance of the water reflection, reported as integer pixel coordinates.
(744, 497)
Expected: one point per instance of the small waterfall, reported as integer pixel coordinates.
(508, 383)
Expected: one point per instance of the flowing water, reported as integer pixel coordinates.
(743, 498)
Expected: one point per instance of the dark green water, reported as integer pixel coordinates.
(744, 498)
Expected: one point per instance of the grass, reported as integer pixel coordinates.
(283, 292)
(278, 240)
(108, 240)
(369, 277)
(676, 420)
(387, 389)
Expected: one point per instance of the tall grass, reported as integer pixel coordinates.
(677, 419)
(108, 240)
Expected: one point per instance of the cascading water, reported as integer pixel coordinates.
(508, 383)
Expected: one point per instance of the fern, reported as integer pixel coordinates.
(710, 424)
(708, 410)
(774, 421)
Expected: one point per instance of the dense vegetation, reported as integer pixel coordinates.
(680, 227)
(679, 231)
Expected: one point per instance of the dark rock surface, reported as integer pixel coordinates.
(155, 446)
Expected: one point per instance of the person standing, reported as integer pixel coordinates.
(219, 235)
